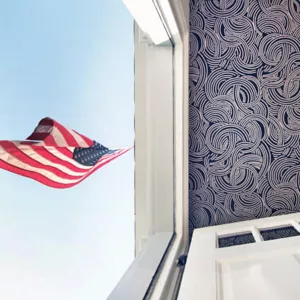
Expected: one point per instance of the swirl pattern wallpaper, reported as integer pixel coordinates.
(244, 110)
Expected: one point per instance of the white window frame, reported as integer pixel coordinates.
(151, 186)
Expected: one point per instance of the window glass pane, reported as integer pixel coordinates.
(279, 233)
(235, 240)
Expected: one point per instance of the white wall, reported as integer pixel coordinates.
(154, 157)
(185, 6)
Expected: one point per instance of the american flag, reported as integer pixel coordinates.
(55, 155)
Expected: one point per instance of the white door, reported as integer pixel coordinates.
(253, 260)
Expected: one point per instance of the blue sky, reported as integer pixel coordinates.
(72, 61)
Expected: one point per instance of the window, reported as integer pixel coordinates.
(161, 123)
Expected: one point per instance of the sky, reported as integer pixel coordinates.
(70, 60)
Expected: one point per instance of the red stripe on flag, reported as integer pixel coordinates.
(97, 167)
(19, 155)
(67, 135)
(49, 141)
(86, 139)
(46, 153)
(50, 159)
(33, 175)
(46, 181)
(36, 135)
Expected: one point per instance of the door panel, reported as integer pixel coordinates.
(260, 279)
(263, 270)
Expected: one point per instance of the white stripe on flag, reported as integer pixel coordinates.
(63, 157)
(5, 156)
(78, 139)
(39, 158)
(58, 137)
(8, 158)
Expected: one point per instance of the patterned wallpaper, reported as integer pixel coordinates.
(244, 110)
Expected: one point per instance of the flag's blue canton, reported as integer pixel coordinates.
(90, 156)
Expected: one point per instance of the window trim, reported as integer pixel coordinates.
(154, 141)
(168, 275)
(169, 280)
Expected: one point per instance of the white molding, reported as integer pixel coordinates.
(148, 18)
(154, 172)
(161, 155)
(164, 288)
(180, 9)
